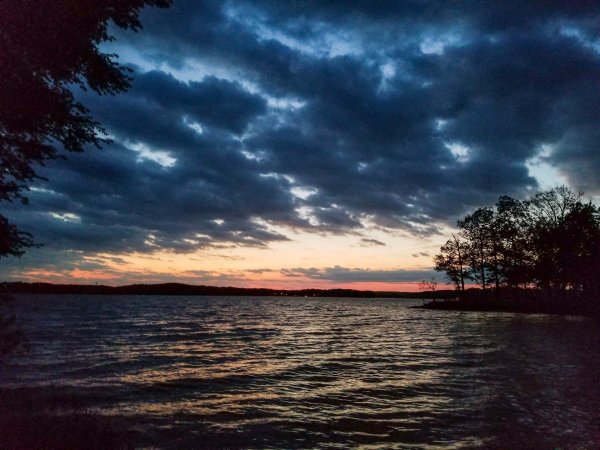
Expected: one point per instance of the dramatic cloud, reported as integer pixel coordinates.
(250, 119)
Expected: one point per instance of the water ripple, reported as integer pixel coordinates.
(327, 373)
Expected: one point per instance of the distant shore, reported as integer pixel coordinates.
(191, 290)
(525, 306)
(475, 299)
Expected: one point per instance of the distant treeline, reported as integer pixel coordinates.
(547, 245)
(186, 289)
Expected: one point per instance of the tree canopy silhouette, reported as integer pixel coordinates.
(550, 241)
(48, 48)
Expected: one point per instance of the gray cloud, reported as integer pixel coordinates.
(390, 114)
(416, 255)
(371, 242)
(353, 275)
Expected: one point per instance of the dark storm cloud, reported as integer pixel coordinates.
(111, 201)
(214, 102)
(326, 117)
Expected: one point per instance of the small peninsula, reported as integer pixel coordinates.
(539, 255)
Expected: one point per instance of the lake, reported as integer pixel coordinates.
(314, 372)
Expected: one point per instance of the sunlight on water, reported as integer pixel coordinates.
(330, 373)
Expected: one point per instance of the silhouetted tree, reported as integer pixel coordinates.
(566, 247)
(12, 241)
(548, 211)
(551, 241)
(549, 208)
(428, 286)
(513, 231)
(48, 48)
(481, 252)
(452, 261)
(581, 252)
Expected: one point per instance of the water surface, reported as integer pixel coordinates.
(313, 372)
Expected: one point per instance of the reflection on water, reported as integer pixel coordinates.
(330, 373)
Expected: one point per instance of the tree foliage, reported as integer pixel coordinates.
(452, 261)
(550, 241)
(428, 286)
(47, 50)
(12, 241)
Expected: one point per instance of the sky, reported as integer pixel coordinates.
(316, 144)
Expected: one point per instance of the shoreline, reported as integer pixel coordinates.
(180, 289)
(587, 309)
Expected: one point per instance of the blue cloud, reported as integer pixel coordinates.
(395, 113)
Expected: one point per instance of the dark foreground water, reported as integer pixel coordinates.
(330, 373)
